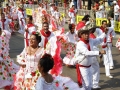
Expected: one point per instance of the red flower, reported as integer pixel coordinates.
(33, 32)
(33, 73)
(57, 84)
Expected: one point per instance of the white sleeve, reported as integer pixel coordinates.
(99, 39)
(69, 14)
(39, 84)
(21, 57)
(53, 14)
(41, 44)
(113, 32)
(81, 49)
(8, 34)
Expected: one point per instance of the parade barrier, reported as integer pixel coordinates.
(30, 8)
(80, 14)
(117, 26)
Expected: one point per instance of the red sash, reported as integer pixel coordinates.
(79, 76)
(111, 36)
(26, 37)
(46, 35)
(3, 23)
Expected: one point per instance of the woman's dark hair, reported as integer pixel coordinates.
(46, 62)
(30, 17)
(37, 35)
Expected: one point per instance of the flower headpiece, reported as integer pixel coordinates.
(35, 33)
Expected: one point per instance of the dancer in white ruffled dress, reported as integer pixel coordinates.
(70, 45)
(7, 67)
(28, 74)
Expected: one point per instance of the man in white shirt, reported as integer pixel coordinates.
(52, 8)
(84, 56)
(116, 10)
(21, 17)
(5, 23)
(45, 35)
(106, 44)
(29, 29)
(72, 14)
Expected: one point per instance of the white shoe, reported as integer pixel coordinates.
(111, 67)
(96, 88)
(110, 76)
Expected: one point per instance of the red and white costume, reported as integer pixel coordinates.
(70, 48)
(108, 61)
(72, 15)
(83, 58)
(53, 47)
(52, 10)
(31, 28)
(45, 38)
(21, 17)
(5, 24)
(7, 66)
(95, 66)
(56, 15)
(80, 25)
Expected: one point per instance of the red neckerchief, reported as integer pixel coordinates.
(28, 26)
(3, 25)
(92, 36)
(46, 35)
(72, 11)
(103, 31)
(86, 42)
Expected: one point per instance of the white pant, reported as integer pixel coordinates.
(72, 21)
(95, 69)
(22, 25)
(108, 60)
(86, 78)
(110, 54)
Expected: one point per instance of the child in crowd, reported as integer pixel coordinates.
(45, 82)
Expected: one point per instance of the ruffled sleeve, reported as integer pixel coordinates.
(21, 57)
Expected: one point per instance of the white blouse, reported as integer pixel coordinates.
(43, 85)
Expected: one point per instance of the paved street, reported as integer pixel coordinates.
(17, 45)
